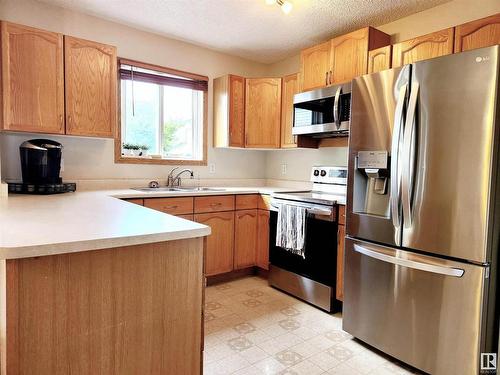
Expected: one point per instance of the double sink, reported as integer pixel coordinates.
(186, 189)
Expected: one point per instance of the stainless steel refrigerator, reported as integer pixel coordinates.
(423, 212)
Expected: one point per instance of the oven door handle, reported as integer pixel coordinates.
(310, 210)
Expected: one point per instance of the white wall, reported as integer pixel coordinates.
(94, 158)
(446, 15)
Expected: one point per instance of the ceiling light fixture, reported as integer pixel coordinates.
(285, 5)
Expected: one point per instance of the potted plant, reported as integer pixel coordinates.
(143, 150)
(131, 149)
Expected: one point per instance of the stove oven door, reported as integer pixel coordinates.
(320, 260)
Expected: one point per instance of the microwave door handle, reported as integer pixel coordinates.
(423, 266)
(396, 140)
(408, 163)
(336, 111)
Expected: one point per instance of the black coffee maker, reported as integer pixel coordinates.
(41, 168)
(41, 161)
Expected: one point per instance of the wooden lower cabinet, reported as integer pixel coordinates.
(220, 244)
(138, 201)
(172, 206)
(239, 223)
(245, 238)
(340, 262)
(262, 256)
(121, 311)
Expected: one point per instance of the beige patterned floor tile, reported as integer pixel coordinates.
(341, 353)
(244, 328)
(247, 323)
(254, 354)
(251, 302)
(305, 349)
(320, 342)
(258, 336)
(365, 362)
(288, 357)
(342, 369)
(324, 360)
(289, 324)
(337, 336)
(239, 343)
(306, 368)
(269, 366)
(305, 333)
(233, 363)
(251, 370)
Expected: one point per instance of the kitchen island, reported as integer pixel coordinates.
(90, 284)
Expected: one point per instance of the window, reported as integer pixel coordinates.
(162, 112)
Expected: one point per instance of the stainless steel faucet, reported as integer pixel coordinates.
(176, 181)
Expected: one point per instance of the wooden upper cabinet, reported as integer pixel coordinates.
(220, 243)
(33, 73)
(340, 59)
(229, 111)
(91, 88)
(349, 56)
(315, 66)
(290, 86)
(478, 34)
(245, 238)
(262, 112)
(379, 59)
(423, 47)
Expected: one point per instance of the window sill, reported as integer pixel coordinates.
(144, 160)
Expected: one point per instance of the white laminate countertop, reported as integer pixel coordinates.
(35, 225)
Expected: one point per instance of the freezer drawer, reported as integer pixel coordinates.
(422, 310)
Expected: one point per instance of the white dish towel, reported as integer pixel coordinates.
(291, 228)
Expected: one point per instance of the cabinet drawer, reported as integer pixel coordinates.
(264, 202)
(138, 201)
(341, 219)
(214, 203)
(174, 206)
(247, 201)
(187, 216)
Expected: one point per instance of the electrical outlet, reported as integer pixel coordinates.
(283, 169)
(211, 168)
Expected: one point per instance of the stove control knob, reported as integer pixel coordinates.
(323, 173)
(316, 172)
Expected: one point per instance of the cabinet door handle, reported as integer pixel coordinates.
(326, 78)
(331, 77)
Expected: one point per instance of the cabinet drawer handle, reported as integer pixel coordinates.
(171, 207)
(215, 204)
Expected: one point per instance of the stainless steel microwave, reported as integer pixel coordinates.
(323, 112)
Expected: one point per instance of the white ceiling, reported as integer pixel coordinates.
(249, 28)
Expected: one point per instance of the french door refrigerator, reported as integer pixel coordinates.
(423, 212)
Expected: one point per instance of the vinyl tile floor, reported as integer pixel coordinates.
(253, 329)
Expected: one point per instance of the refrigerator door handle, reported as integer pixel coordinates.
(423, 266)
(396, 140)
(336, 110)
(408, 163)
